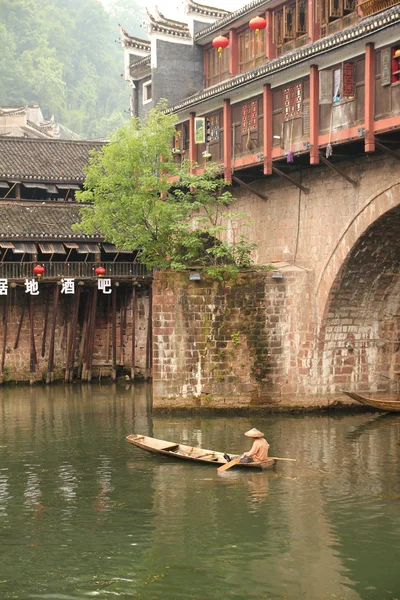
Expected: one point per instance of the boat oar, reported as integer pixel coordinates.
(230, 464)
(235, 461)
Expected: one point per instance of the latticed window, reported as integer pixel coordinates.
(290, 24)
(212, 128)
(249, 116)
(251, 49)
(335, 15)
(292, 101)
(217, 66)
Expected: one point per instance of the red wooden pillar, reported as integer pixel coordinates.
(270, 47)
(369, 98)
(233, 53)
(227, 140)
(267, 111)
(192, 143)
(312, 25)
(314, 114)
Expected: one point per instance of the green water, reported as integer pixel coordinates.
(83, 514)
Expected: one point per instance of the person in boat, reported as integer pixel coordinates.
(259, 450)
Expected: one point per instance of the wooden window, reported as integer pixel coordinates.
(212, 128)
(301, 17)
(249, 116)
(289, 23)
(396, 64)
(292, 101)
(251, 49)
(147, 92)
(217, 66)
(335, 9)
(348, 85)
(337, 84)
(335, 15)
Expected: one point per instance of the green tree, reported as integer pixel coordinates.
(134, 204)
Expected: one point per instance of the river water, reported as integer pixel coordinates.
(83, 514)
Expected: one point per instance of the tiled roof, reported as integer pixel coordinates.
(229, 18)
(161, 24)
(44, 160)
(363, 29)
(209, 11)
(45, 221)
(132, 42)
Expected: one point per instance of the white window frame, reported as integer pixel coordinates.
(145, 86)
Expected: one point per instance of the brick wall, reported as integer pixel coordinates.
(331, 323)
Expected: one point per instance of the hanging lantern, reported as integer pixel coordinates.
(220, 43)
(38, 270)
(100, 271)
(258, 23)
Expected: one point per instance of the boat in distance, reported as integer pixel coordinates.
(191, 453)
(386, 405)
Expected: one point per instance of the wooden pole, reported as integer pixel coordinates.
(122, 326)
(114, 333)
(314, 114)
(82, 346)
(46, 316)
(267, 125)
(69, 372)
(149, 337)
(50, 365)
(91, 335)
(3, 356)
(133, 333)
(369, 116)
(108, 327)
(32, 342)
(227, 118)
(19, 327)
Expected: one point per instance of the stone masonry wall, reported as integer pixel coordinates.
(330, 324)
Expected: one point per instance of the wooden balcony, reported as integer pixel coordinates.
(75, 270)
(369, 7)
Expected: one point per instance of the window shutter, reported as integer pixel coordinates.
(386, 77)
(301, 17)
(289, 22)
(325, 87)
(348, 83)
(349, 5)
(335, 9)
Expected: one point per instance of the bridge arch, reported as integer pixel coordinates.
(358, 300)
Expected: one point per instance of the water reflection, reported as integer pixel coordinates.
(83, 513)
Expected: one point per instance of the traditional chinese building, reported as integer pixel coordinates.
(72, 306)
(298, 101)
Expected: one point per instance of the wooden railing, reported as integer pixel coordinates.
(78, 270)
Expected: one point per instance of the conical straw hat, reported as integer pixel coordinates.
(254, 433)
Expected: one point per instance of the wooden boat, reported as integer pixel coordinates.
(191, 453)
(386, 405)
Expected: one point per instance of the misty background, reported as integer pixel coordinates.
(66, 56)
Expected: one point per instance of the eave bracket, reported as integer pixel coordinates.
(289, 178)
(337, 170)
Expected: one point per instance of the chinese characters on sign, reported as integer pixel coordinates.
(67, 286)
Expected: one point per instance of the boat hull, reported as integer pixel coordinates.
(200, 456)
(385, 405)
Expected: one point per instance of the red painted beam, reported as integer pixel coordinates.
(314, 114)
(267, 110)
(227, 140)
(369, 98)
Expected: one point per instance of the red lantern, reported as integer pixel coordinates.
(258, 23)
(38, 270)
(220, 43)
(100, 271)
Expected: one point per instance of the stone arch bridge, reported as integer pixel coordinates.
(327, 318)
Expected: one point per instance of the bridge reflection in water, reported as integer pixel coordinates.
(83, 513)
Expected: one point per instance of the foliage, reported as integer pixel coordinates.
(66, 57)
(134, 205)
